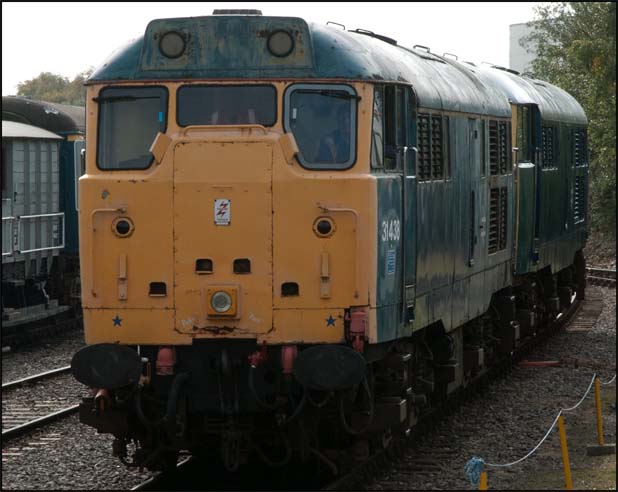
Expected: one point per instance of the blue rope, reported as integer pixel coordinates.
(473, 469)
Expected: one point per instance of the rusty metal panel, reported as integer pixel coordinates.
(220, 43)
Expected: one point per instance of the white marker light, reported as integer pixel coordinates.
(221, 301)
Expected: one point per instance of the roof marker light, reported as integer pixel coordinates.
(280, 43)
(172, 44)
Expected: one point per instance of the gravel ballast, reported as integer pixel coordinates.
(55, 352)
(511, 416)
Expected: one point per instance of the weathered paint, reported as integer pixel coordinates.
(180, 194)
(554, 103)
(390, 237)
(324, 52)
(525, 224)
(452, 274)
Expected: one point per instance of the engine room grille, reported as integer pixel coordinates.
(579, 199)
(424, 148)
(503, 225)
(547, 137)
(498, 147)
(498, 224)
(580, 145)
(504, 149)
(437, 170)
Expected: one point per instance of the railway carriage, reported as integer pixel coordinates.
(41, 160)
(297, 238)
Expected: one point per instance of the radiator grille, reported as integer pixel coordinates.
(503, 153)
(580, 147)
(503, 217)
(547, 136)
(424, 149)
(498, 147)
(579, 199)
(498, 223)
(437, 170)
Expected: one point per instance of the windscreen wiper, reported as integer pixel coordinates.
(329, 93)
(122, 98)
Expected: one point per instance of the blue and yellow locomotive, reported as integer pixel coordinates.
(295, 237)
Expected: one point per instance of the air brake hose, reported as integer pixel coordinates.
(172, 399)
(299, 408)
(138, 410)
(344, 423)
(323, 402)
(259, 401)
(283, 461)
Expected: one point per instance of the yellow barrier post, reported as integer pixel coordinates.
(601, 448)
(483, 481)
(597, 397)
(565, 454)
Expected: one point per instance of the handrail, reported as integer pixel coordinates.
(327, 209)
(10, 235)
(38, 216)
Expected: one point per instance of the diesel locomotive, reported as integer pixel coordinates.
(296, 239)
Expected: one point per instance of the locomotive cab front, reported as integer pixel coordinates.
(224, 226)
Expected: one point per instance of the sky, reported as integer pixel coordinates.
(68, 38)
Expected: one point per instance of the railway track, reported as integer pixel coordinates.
(34, 402)
(601, 276)
(424, 454)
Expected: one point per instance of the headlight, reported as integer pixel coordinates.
(221, 301)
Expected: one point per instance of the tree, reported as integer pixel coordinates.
(576, 50)
(55, 88)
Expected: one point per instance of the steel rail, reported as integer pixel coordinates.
(36, 377)
(600, 280)
(602, 271)
(154, 482)
(41, 421)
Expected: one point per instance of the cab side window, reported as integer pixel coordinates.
(389, 134)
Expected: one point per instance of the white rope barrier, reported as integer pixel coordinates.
(570, 409)
(533, 450)
(475, 465)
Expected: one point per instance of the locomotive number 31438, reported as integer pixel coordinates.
(391, 230)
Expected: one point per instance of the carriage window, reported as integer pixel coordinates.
(129, 119)
(322, 118)
(227, 105)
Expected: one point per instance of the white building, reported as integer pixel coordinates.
(520, 58)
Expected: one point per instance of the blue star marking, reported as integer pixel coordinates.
(330, 321)
(116, 320)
